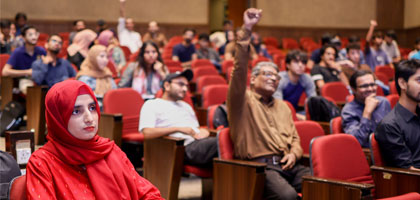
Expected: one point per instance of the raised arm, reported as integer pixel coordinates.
(372, 26)
(122, 8)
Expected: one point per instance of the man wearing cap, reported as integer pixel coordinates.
(172, 116)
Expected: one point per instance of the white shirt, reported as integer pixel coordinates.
(131, 39)
(160, 113)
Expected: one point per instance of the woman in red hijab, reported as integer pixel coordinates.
(76, 163)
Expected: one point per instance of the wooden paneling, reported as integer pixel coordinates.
(390, 14)
(236, 11)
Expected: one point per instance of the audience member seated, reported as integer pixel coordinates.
(416, 49)
(20, 23)
(115, 53)
(49, 70)
(101, 25)
(76, 163)
(185, 52)
(259, 47)
(19, 63)
(343, 53)
(219, 38)
(262, 127)
(327, 70)
(154, 35)
(294, 82)
(128, 37)
(206, 52)
(78, 50)
(390, 47)
(316, 54)
(145, 75)
(9, 169)
(95, 73)
(398, 133)
(361, 116)
(6, 39)
(374, 54)
(230, 49)
(230, 36)
(78, 25)
(353, 60)
(170, 115)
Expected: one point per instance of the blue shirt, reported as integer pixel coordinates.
(20, 59)
(291, 92)
(360, 127)
(416, 56)
(48, 74)
(184, 53)
(375, 57)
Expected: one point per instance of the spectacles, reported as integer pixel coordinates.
(364, 86)
(181, 84)
(56, 41)
(269, 74)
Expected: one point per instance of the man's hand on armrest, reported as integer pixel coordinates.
(202, 134)
(413, 168)
(151, 133)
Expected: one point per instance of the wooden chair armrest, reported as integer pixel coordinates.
(329, 189)
(35, 112)
(6, 90)
(238, 179)
(110, 126)
(391, 181)
(201, 115)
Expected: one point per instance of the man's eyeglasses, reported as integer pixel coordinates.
(269, 74)
(364, 86)
(56, 41)
(180, 84)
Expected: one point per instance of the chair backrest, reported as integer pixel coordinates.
(171, 63)
(382, 77)
(375, 151)
(17, 188)
(289, 43)
(214, 94)
(336, 125)
(201, 63)
(271, 41)
(123, 100)
(335, 90)
(225, 144)
(292, 109)
(392, 88)
(126, 52)
(393, 99)
(339, 156)
(308, 130)
(3, 61)
(226, 64)
(210, 116)
(201, 71)
(111, 66)
(259, 59)
(387, 70)
(207, 80)
(187, 97)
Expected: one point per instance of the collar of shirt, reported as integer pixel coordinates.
(261, 99)
(406, 114)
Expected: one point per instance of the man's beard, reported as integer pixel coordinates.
(412, 96)
(55, 52)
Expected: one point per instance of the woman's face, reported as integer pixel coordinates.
(102, 60)
(83, 122)
(150, 54)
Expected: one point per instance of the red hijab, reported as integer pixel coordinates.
(110, 179)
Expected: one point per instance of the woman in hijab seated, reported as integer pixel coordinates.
(146, 74)
(78, 50)
(95, 73)
(115, 53)
(76, 163)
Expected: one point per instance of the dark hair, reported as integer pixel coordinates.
(405, 69)
(378, 34)
(325, 47)
(354, 38)
(351, 46)
(296, 55)
(5, 23)
(142, 62)
(20, 15)
(391, 34)
(227, 22)
(417, 41)
(189, 29)
(26, 28)
(79, 20)
(358, 74)
(49, 38)
(326, 38)
(204, 36)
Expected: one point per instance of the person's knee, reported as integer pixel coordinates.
(285, 194)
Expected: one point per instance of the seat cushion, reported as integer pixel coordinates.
(201, 172)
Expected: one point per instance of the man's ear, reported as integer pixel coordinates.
(252, 81)
(166, 86)
(402, 83)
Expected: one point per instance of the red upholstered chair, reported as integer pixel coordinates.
(174, 40)
(387, 70)
(336, 125)
(207, 80)
(307, 130)
(235, 179)
(3, 61)
(214, 94)
(226, 64)
(289, 43)
(170, 63)
(293, 110)
(393, 99)
(126, 50)
(201, 71)
(339, 169)
(335, 90)
(271, 41)
(201, 63)
(392, 88)
(375, 152)
(111, 66)
(43, 37)
(64, 35)
(259, 59)
(173, 69)
(382, 77)
(17, 188)
(210, 116)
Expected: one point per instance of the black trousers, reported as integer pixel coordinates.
(201, 152)
(284, 185)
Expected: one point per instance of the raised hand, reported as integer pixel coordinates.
(373, 23)
(251, 17)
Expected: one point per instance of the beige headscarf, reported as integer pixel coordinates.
(81, 42)
(90, 68)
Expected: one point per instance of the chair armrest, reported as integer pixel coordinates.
(6, 90)
(238, 179)
(391, 181)
(35, 111)
(201, 115)
(305, 160)
(326, 189)
(325, 126)
(110, 126)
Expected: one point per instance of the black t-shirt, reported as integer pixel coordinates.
(324, 73)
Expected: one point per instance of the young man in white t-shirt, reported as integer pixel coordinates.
(172, 116)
